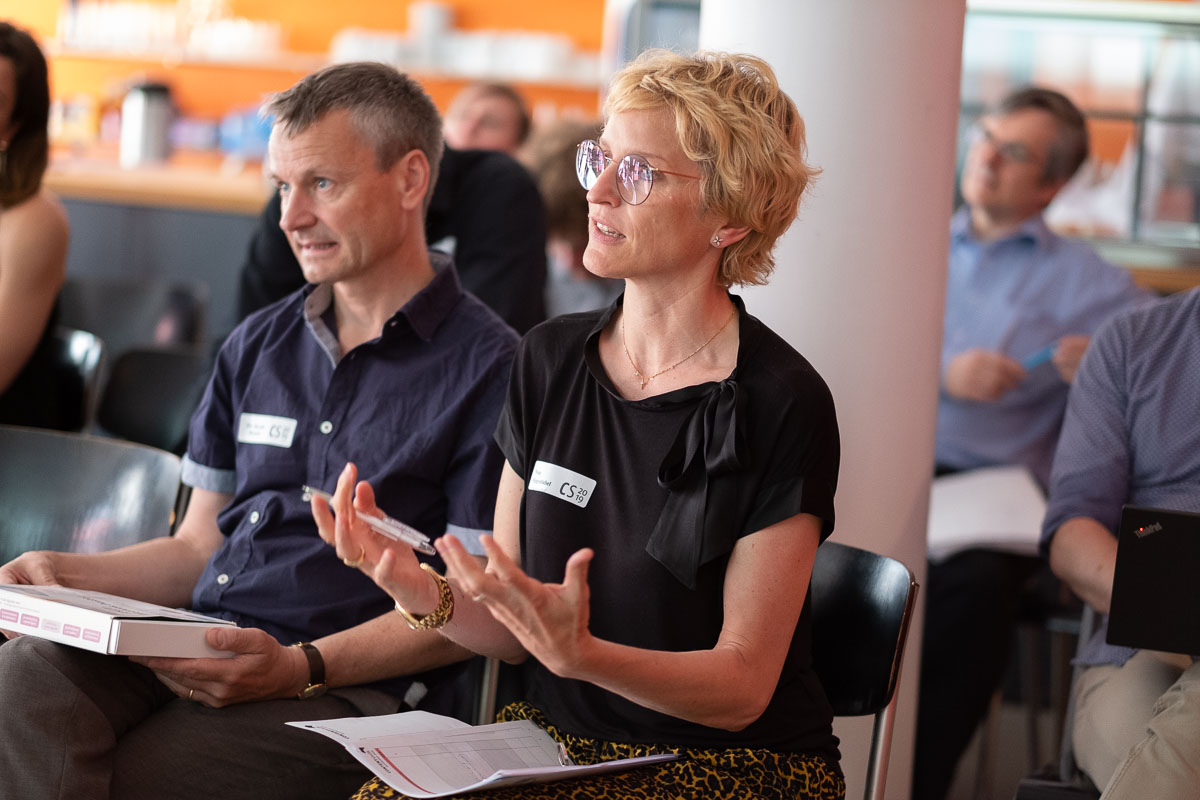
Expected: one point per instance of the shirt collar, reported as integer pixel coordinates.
(424, 312)
(1033, 229)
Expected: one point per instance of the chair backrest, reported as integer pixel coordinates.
(135, 311)
(78, 356)
(1069, 783)
(78, 493)
(862, 604)
(151, 393)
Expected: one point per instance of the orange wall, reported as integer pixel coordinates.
(311, 23)
(210, 90)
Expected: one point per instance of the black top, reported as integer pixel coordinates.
(42, 395)
(738, 456)
(484, 201)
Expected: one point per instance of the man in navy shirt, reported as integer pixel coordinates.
(381, 360)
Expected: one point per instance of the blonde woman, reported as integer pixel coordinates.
(671, 465)
(33, 236)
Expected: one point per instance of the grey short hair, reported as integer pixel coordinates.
(390, 110)
(1069, 149)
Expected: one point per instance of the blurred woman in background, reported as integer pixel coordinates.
(549, 154)
(33, 236)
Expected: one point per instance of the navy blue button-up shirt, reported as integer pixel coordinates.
(414, 409)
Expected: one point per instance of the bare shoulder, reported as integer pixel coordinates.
(33, 237)
(41, 216)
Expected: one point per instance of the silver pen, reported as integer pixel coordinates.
(391, 528)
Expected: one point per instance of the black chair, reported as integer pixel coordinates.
(151, 393)
(76, 493)
(862, 605)
(129, 312)
(78, 356)
(1064, 781)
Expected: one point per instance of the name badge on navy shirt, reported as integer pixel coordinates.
(562, 483)
(266, 429)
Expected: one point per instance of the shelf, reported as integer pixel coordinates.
(177, 56)
(1115, 10)
(302, 63)
(190, 180)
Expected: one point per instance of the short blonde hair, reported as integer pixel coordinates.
(742, 130)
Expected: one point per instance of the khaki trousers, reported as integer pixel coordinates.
(1137, 727)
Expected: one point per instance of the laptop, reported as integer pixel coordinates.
(1156, 585)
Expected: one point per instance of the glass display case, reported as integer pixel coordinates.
(1134, 70)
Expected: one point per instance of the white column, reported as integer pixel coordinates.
(860, 283)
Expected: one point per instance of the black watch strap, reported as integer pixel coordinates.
(316, 671)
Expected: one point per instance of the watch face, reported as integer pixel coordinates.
(312, 690)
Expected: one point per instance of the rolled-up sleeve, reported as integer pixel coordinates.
(1090, 477)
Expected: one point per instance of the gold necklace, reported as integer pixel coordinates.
(644, 379)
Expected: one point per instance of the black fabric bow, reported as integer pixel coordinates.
(691, 531)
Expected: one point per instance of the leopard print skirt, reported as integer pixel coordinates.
(735, 774)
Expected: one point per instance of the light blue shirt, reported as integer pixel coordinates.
(1131, 433)
(1015, 296)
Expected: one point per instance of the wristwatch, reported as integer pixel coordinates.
(316, 671)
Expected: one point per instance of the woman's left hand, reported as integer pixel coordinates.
(550, 620)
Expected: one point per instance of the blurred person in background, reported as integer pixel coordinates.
(487, 116)
(486, 212)
(550, 155)
(1021, 304)
(33, 236)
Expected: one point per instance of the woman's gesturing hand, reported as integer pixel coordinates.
(550, 620)
(392, 565)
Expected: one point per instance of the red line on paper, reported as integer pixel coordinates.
(399, 771)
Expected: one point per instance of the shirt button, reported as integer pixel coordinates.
(222, 579)
(326, 426)
(253, 517)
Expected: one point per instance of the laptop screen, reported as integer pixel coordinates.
(1156, 585)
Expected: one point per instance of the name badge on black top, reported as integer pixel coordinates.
(562, 483)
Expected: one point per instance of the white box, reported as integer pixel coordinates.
(105, 623)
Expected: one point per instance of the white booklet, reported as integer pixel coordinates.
(105, 623)
(998, 508)
(428, 755)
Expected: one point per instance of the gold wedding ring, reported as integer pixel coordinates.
(362, 552)
(191, 693)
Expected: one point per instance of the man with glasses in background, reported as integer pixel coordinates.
(1021, 303)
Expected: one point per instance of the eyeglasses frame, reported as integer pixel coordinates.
(621, 187)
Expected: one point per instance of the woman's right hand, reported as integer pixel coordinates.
(392, 565)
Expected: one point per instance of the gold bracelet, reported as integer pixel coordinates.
(439, 616)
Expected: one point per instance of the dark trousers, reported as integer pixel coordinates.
(971, 603)
(80, 725)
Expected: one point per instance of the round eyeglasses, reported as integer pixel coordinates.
(635, 176)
